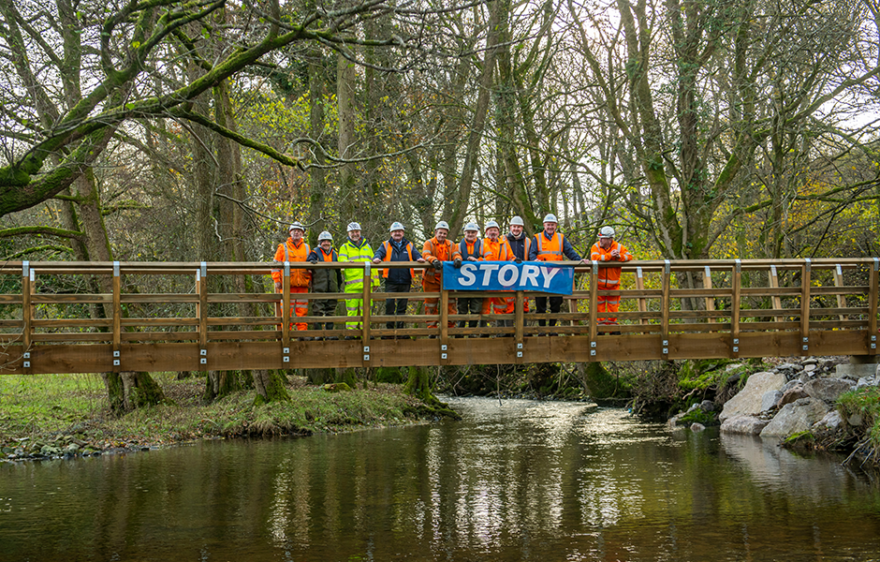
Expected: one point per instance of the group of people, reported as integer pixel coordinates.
(547, 246)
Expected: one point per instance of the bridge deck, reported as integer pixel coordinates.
(67, 317)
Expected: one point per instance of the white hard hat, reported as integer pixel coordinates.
(396, 226)
(517, 221)
(492, 224)
(353, 226)
(550, 218)
(471, 226)
(442, 224)
(606, 232)
(325, 236)
(296, 225)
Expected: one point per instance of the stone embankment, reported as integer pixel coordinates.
(789, 399)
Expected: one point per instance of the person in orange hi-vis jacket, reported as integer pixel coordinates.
(496, 249)
(294, 249)
(606, 249)
(520, 244)
(436, 251)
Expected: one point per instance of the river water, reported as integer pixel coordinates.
(520, 480)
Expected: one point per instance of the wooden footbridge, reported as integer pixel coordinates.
(69, 317)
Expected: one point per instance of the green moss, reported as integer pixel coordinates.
(337, 387)
(602, 385)
(698, 415)
(800, 437)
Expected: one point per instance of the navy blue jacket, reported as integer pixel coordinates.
(399, 276)
(567, 248)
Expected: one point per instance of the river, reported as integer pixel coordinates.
(520, 480)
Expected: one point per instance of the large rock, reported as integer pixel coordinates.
(769, 400)
(832, 421)
(748, 400)
(796, 417)
(792, 394)
(828, 389)
(746, 425)
(857, 371)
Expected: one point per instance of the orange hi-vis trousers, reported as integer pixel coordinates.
(432, 306)
(298, 307)
(511, 305)
(607, 303)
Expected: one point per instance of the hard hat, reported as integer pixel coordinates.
(296, 225)
(442, 224)
(492, 224)
(471, 226)
(396, 226)
(550, 218)
(517, 221)
(606, 232)
(325, 236)
(353, 226)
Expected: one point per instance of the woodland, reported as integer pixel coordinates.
(172, 130)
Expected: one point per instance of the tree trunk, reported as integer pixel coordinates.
(128, 390)
(270, 386)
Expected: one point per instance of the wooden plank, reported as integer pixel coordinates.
(216, 298)
(73, 337)
(805, 305)
(71, 299)
(140, 322)
(72, 323)
(166, 298)
(10, 299)
(707, 283)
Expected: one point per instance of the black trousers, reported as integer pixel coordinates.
(469, 306)
(541, 307)
(395, 307)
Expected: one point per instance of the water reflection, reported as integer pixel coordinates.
(513, 481)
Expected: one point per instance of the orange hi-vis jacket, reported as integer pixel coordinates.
(434, 250)
(550, 250)
(609, 277)
(292, 253)
(475, 249)
(498, 250)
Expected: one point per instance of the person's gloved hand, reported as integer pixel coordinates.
(517, 260)
(472, 258)
(313, 261)
(456, 263)
(438, 265)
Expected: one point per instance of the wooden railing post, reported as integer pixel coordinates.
(519, 327)
(735, 304)
(873, 291)
(366, 307)
(27, 278)
(285, 306)
(594, 306)
(117, 318)
(775, 300)
(202, 278)
(664, 309)
(444, 326)
(805, 306)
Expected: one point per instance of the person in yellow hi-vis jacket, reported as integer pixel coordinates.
(356, 249)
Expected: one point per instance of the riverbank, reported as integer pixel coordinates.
(49, 416)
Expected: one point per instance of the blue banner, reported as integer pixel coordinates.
(508, 276)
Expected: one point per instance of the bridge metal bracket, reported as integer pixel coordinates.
(286, 269)
(116, 269)
(442, 356)
(738, 265)
(366, 349)
(807, 264)
(519, 354)
(593, 344)
(443, 347)
(876, 264)
(26, 365)
(204, 268)
(666, 266)
(27, 355)
(203, 356)
(519, 346)
(595, 266)
(26, 268)
(115, 354)
(366, 357)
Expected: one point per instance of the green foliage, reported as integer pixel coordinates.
(698, 415)
(602, 385)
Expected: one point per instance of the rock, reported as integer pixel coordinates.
(693, 407)
(796, 417)
(695, 427)
(675, 421)
(832, 421)
(789, 385)
(732, 380)
(769, 400)
(810, 367)
(828, 365)
(855, 420)
(796, 392)
(73, 449)
(49, 451)
(732, 367)
(747, 425)
(856, 371)
(707, 406)
(790, 367)
(748, 400)
(868, 381)
(828, 389)
(809, 361)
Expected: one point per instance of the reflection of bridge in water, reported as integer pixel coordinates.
(748, 308)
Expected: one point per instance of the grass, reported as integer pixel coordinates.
(43, 406)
